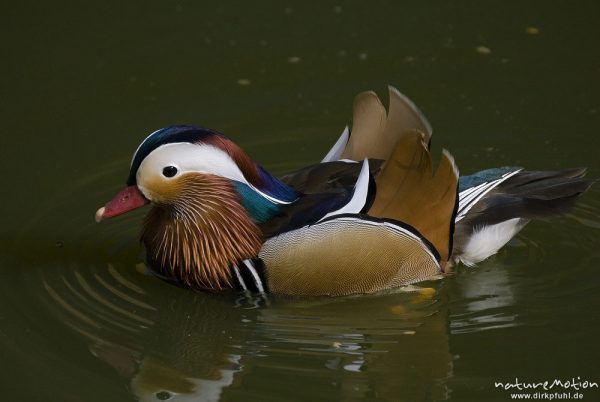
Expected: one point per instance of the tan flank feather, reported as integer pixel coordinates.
(345, 256)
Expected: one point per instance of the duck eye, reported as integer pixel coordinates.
(163, 395)
(169, 171)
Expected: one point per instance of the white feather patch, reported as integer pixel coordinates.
(255, 275)
(486, 241)
(336, 151)
(359, 198)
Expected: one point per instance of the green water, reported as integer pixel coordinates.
(503, 83)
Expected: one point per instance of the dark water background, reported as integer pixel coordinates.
(503, 83)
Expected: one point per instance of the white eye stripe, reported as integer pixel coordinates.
(189, 157)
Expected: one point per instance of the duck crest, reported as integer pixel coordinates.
(196, 240)
(255, 178)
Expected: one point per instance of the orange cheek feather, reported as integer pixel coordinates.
(163, 191)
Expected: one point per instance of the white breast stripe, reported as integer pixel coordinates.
(239, 277)
(473, 198)
(338, 148)
(259, 284)
(359, 198)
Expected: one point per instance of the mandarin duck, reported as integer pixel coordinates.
(372, 215)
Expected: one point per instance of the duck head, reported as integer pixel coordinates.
(207, 198)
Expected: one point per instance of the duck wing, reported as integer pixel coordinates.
(323, 177)
(403, 237)
(325, 192)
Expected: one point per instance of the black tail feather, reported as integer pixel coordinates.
(546, 185)
(530, 195)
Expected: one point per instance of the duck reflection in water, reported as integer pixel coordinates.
(207, 347)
